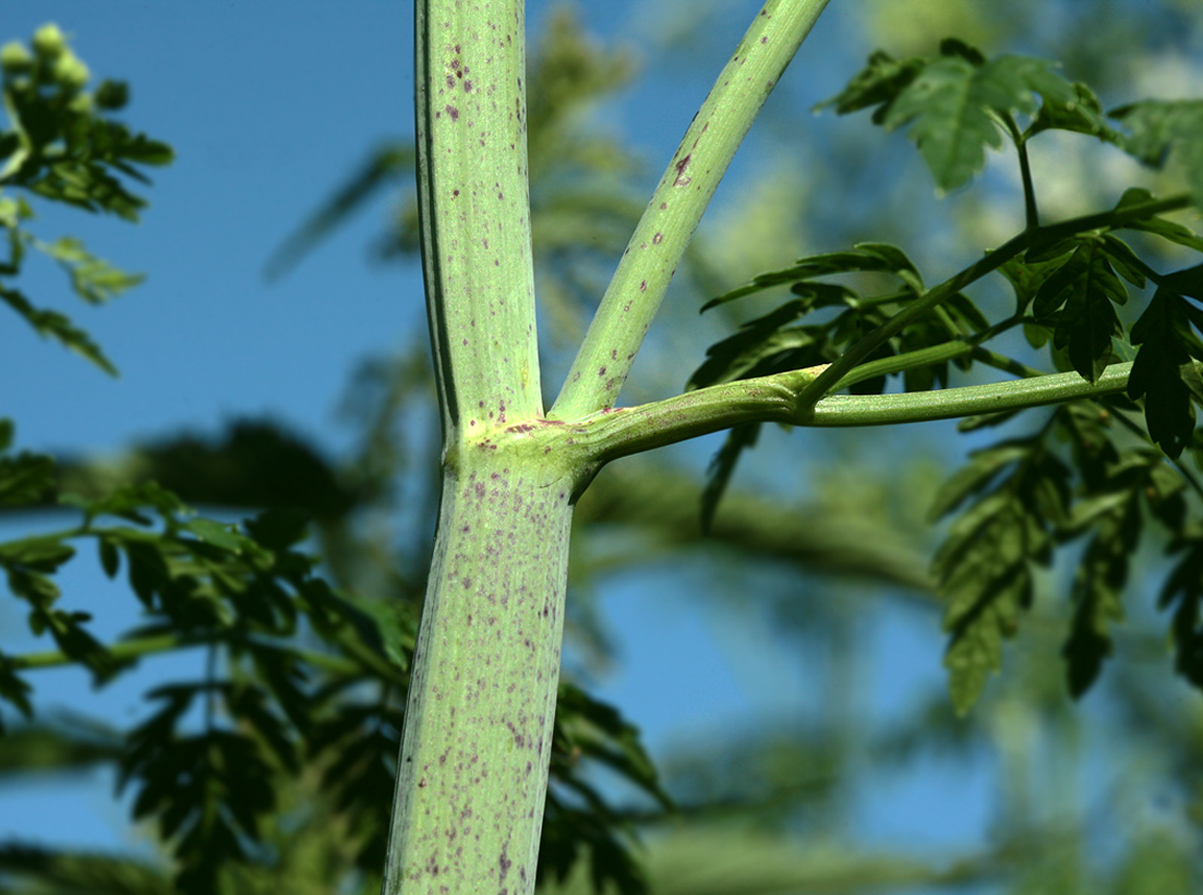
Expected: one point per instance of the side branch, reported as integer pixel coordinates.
(638, 286)
(779, 398)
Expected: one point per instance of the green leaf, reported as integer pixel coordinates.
(393, 626)
(59, 327)
(278, 529)
(599, 731)
(864, 257)
(1188, 281)
(1170, 231)
(878, 84)
(739, 439)
(93, 279)
(951, 107)
(42, 553)
(975, 476)
(27, 480)
(130, 502)
(975, 643)
(112, 95)
(1098, 596)
(35, 588)
(1157, 372)
(354, 739)
(732, 353)
(1183, 590)
(1079, 111)
(961, 307)
(1027, 274)
(983, 568)
(69, 744)
(208, 791)
(65, 149)
(1084, 288)
(14, 690)
(78, 644)
(1124, 260)
(219, 534)
(110, 557)
(1159, 128)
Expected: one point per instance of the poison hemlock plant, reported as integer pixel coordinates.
(473, 761)
(303, 675)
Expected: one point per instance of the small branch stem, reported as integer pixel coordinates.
(638, 286)
(946, 351)
(1030, 213)
(941, 404)
(1004, 363)
(779, 398)
(130, 650)
(900, 363)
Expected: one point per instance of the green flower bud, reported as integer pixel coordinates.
(70, 71)
(48, 41)
(14, 57)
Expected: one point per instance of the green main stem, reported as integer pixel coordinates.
(472, 776)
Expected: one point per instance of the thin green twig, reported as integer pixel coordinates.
(143, 647)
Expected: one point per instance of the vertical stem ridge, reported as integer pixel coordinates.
(475, 211)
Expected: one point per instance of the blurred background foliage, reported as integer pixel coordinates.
(818, 551)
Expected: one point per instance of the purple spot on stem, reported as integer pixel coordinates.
(681, 166)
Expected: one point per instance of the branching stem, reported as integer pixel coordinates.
(1031, 215)
(779, 398)
(638, 286)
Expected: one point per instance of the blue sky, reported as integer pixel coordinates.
(267, 111)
